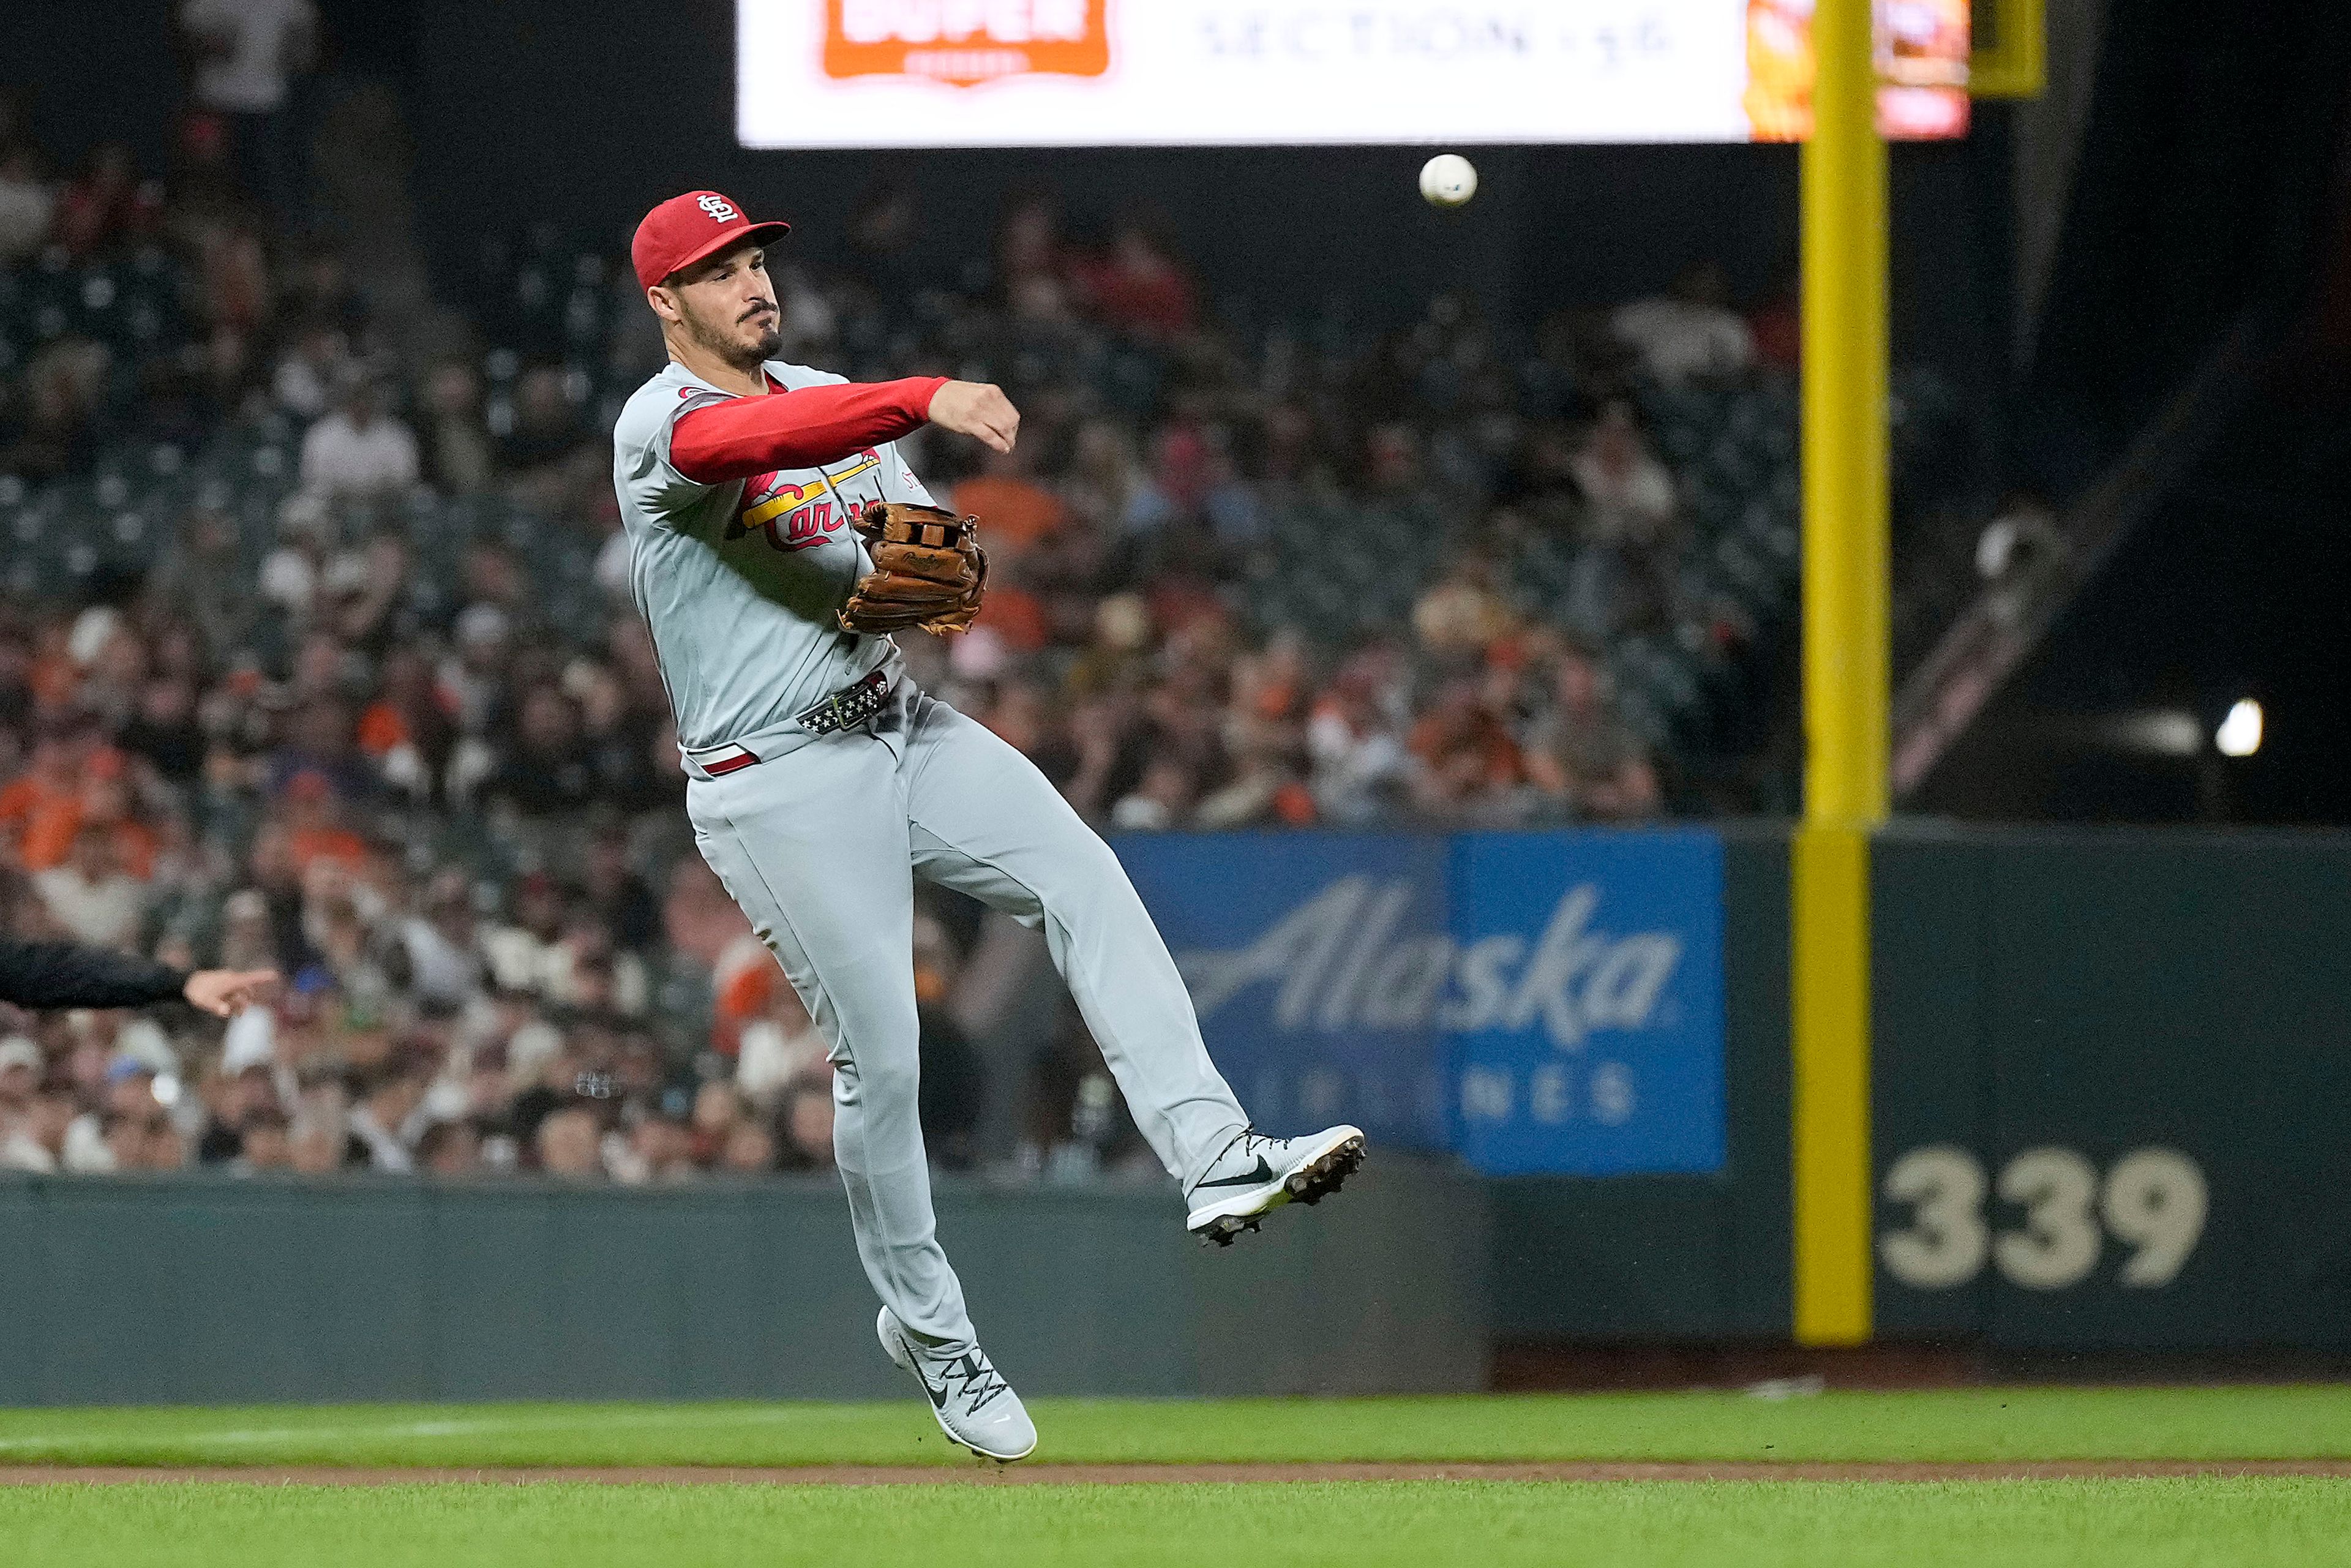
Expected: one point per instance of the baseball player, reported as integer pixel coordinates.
(778, 539)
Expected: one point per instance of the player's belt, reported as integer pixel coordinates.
(852, 705)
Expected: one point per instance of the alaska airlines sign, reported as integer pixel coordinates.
(1340, 961)
(1535, 1001)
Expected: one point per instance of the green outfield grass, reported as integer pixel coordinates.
(2201, 1523)
(2297, 1422)
(2206, 1521)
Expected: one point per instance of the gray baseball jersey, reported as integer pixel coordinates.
(820, 836)
(740, 580)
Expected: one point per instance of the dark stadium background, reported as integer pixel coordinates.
(526, 112)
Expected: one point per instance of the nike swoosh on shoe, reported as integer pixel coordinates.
(1263, 1173)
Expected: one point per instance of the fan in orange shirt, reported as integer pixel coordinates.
(1467, 752)
(107, 802)
(1018, 510)
(41, 809)
(314, 827)
(1017, 513)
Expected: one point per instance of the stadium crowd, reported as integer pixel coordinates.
(1241, 575)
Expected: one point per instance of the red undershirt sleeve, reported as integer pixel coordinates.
(803, 429)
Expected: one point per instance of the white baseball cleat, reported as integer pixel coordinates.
(1256, 1175)
(974, 1406)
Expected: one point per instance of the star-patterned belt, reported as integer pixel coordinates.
(852, 705)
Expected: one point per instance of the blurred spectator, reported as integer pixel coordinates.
(749, 1149)
(441, 944)
(265, 1142)
(620, 898)
(1464, 613)
(106, 203)
(2019, 555)
(1689, 332)
(319, 289)
(27, 203)
(1031, 270)
(1628, 495)
(569, 1144)
(21, 1065)
(449, 1149)
(1583, 755)
(189, 578)
(232, 1105)
(317, 1145)
(163, 730)
(775, 1049)
(1778, 325)
(525, 951)
(358, 451)
(658, 1151)
(546, 770)
(36, 1140)
(1107, 484)
(1163, 799)
(248, 55)
(806, 1120)
(952, 1093)
(53, 437)
(882, 236)
(92, 898)
(718, 1108)
(313, 820)
(1139, 284)
(458, 457)
(1354, 737)
(1469, 765)
(41, 807)
(381, 1118)
(410, 730)
(1017, 509)
(547, 431)
(1268, 786)
(317, 364)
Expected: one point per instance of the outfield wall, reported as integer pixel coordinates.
(2112, 1086)
(2111, 1074)
(172, 1291)
(2110, 1067)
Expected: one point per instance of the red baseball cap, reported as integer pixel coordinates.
(684, 229)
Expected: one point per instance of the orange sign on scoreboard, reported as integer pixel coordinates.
(964, 44)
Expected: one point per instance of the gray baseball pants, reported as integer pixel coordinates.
(820, 846)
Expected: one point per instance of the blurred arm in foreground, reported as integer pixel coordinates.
(65, 975)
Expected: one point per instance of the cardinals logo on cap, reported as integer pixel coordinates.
(720, 209)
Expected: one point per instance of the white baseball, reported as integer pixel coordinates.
(1448, 180)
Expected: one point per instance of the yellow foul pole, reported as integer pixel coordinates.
(1845, 664)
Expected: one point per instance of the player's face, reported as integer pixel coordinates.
(727, 306)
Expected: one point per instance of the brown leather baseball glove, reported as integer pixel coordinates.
(928, 570)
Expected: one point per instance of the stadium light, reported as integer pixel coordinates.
(2240, 734)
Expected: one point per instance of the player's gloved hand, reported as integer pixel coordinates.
(977, 408)
(928, 570)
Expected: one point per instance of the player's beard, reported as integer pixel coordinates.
(728, 343)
